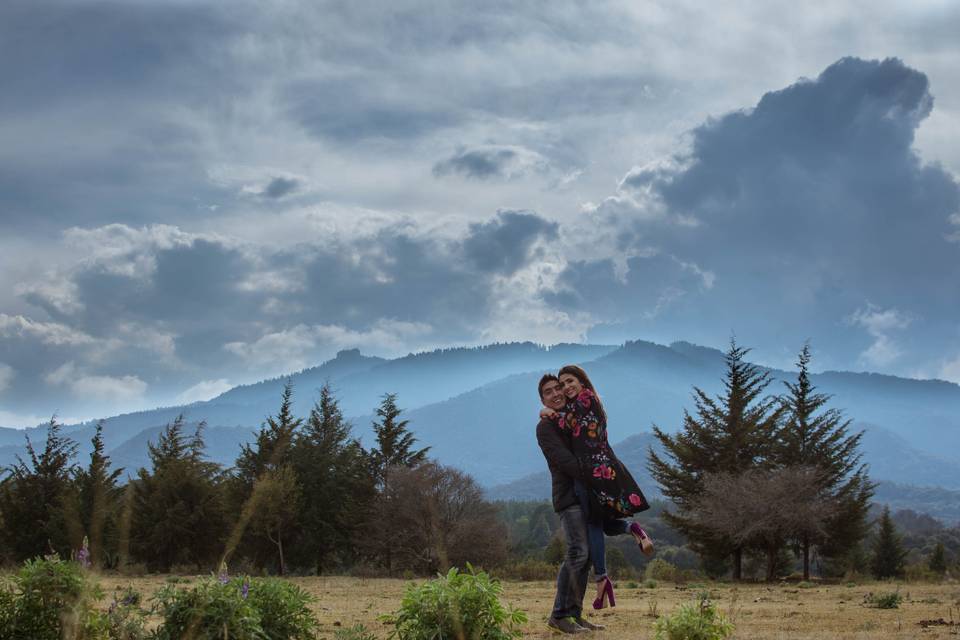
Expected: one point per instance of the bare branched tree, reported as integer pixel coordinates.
(763, 509)
(434, 517)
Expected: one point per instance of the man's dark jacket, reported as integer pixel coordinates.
(564, 467)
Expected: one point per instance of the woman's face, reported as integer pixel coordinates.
(571, 385)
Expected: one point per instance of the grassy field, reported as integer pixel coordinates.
(759, 611)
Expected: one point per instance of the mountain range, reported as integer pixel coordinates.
(477, 407)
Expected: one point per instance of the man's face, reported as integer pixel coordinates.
(552, 395)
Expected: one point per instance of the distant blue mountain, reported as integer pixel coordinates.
(477, 408)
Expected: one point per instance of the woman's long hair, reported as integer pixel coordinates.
(584, 379)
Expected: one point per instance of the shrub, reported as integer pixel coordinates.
(884, 600)
(356, 632)
(661, 570)
(695, 621)
(51, 599)
(462, 605)
(210, 611)
(125, 619)
(283, 609)
(238, 608)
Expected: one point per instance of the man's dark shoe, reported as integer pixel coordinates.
(589, 626)
(566, 625)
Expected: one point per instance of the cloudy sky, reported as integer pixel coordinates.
(198, 194)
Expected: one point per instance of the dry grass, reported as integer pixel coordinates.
(759, 611)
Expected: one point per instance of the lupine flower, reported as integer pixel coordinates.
(222, 574)
(83, 555)
(245, 589)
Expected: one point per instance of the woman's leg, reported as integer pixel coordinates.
(598, 546)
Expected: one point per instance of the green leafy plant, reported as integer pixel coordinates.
(460, 604)
(211, 610)
(125, 619)
(237, 608)
(283, 609)
(699, 620)
(51, 599)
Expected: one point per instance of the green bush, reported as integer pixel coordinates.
(238, 608)
(884, 600)
(125, 619)
(694, 621)
(661, 570)
(461, 605)
(284, 614)
(51, 599)
(212, 610)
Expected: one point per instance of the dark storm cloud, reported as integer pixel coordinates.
(476, 163)
(280, 187)
(811, 207)
(154, 302)
(504, 244)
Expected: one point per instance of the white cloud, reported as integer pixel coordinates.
(116, 390)
(6, 375)
(204, 390)
(879, 323)
(950, 370)
(52, 333)
(304, 345)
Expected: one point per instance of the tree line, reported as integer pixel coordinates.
(303, 496)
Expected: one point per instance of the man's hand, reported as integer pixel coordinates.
(547, 412)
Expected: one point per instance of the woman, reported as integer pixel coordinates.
(606, 490)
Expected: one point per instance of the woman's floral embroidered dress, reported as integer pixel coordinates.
(612, 487)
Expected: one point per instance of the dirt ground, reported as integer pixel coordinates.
(770, 612)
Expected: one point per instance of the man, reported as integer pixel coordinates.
(567, 614)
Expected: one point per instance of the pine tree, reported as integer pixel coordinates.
(271, 448)
(336, 489)
(889, 555)
(178, 512)
(938, 560)
(394, 442)
(812, 435)
(34, 498)
(729, 434)
(98, 499)
(394, 449)
(265, 461)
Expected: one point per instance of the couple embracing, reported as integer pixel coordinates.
(592, 491)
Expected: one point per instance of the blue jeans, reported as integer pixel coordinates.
(572, 579)
(596, 530)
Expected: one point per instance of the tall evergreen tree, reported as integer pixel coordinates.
(271, 449)
(889, 555)
(395, 443)
(98, 498)
(266, 461)
(336, 488)
(178, 510)
(35, 496)
(812, 435)
(729, 434)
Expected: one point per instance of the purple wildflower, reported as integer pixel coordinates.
(245, 589)
(83, 555)
(222, 574)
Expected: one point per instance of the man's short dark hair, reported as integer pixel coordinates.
(547, 377)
